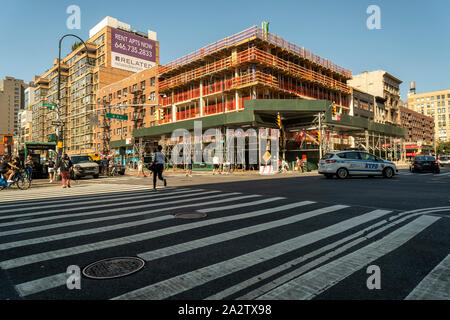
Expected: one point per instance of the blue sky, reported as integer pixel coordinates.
(413, 43)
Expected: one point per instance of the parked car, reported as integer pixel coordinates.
(424, 163)
(444, 161)
(355, 163)
(83, 165)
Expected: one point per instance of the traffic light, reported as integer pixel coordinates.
(157, 114)
(334, 110)
(8, 140)
(279, 121)
(161, 115)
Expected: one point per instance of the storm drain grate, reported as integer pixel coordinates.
(195, 215)
(113, 268)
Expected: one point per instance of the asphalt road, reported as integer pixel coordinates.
(280, 237)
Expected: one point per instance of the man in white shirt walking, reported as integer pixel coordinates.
(159, 159)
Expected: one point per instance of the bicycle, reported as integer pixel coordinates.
(21, 180)
(114, 172)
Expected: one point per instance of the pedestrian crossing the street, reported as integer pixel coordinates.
(248, 246)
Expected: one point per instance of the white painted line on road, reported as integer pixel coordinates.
(80, 198)
(240, 205)
(42, 284)
(162, 232)
(167, 288)
(55, 192)
(203, 242)
(126, 215)
(49, 255)
(347, 243)
(81, 233)
(322, 278)
(148, 202)
(82, 202)
(436, 285)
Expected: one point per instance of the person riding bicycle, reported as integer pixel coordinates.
(14, 169)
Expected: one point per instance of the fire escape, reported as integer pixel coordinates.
(106, 126)
(138, 112)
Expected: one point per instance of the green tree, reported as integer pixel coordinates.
(443, 147)
(76, 45)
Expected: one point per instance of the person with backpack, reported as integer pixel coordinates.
(159, 159)
(65, 166)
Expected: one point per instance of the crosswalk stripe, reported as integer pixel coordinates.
(189, 226)
(54, 192)
(203, 242)
(42, 284)
(126, 215)
(87, 204)
(322, 278)
(436, 285)
(111, 210)
(49, 255)
(38, 204)
(187, 281)
(240, 205)
(85, 232)
(336, 248)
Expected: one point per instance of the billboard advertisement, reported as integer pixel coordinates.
(131, 52)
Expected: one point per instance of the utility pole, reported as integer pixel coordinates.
(60, 125)
(320, 135)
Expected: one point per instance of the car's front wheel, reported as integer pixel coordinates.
(342, 173)
(388, 173)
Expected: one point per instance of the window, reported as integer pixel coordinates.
(432, 98)
(153, 83)
(143, 85)
(443, 97)
(367, 156)
(438, 97)
(119, 94)
(134, 88)
(152, 96)
(352, 155)
(125, 91)
(119, 132)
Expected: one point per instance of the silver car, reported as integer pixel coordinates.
(83, 165)
(444, 161)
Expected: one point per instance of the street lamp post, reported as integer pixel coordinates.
(60, 125)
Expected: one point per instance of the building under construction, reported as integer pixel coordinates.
(254, 77)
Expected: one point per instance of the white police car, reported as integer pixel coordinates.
(355, 163)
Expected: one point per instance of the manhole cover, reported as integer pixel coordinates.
(113, 268)
(191, 215)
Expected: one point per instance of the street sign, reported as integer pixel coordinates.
(57, 123)
(49, 105)
(117, 116)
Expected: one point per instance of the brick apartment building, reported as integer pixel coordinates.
(135, 97)
(114, 52)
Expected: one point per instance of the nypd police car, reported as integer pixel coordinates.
(355, 163)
